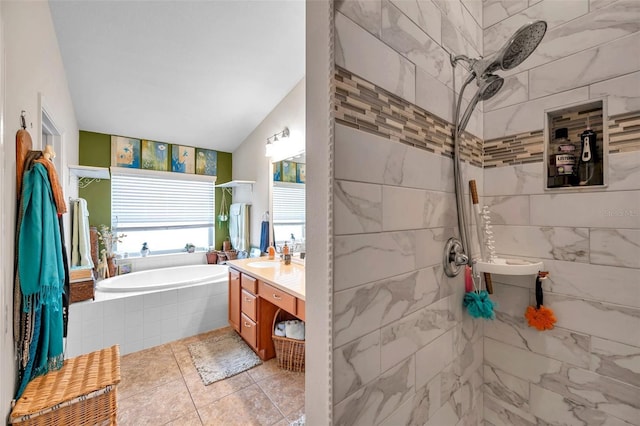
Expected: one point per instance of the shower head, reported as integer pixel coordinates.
(515, 50)
(488, 86)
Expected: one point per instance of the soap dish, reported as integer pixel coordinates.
(503, 266)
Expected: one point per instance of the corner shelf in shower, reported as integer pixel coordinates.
(503, 266)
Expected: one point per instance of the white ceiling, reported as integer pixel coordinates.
(199, 73)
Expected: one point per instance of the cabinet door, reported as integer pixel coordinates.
(234, 299)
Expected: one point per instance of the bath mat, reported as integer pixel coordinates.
(222, 356)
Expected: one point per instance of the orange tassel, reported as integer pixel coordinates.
(542, 319)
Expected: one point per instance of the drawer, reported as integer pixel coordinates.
(248, 330)
(300, 309)
(249, 305)
(277, 297)
(249, 283)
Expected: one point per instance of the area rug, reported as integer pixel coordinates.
(222, 356)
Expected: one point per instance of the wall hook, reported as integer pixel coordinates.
(23, 121)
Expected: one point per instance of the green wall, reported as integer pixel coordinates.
(95, 150)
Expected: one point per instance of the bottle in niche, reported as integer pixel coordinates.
(562, 162)
(589, 171)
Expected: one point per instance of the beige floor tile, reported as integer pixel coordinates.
(264, 370)
(283, 422)
(156, 406)
(285, 390)
(147, 369)
(191, 419)
(249, 406)
(204, 395)
(295, 415)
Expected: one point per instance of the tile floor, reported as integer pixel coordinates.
(160, 386)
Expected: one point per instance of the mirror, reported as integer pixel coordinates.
(288, 216)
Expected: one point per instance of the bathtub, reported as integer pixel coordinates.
(149, 308)
(165, 278)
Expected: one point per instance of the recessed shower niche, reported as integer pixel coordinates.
(576, 140)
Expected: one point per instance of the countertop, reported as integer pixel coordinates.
(289, 278)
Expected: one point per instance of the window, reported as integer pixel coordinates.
(288, 211)
(166, 213)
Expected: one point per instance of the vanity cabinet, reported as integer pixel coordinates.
(253, 305)
(234, 299)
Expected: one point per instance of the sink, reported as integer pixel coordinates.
(264, 264)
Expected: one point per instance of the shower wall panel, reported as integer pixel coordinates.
(587, 369)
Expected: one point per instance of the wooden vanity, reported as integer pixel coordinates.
(257, 289)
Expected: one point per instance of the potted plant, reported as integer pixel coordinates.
(189, 248)
(108, 240)
(212, 256)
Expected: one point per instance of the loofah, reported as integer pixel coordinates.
(538, 316)
(479, 305)
(542, 319)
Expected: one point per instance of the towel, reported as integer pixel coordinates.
(80, 240)
(294, 329)
(264, 237)
(280, 329)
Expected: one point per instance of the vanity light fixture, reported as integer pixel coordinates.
(275, 143)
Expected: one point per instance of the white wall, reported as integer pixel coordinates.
(33, 65)
(250, 163)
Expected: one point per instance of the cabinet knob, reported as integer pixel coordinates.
(275, 296)
(246, 324)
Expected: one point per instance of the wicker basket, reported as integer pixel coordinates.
(82, 392)
(289, 352)
(82, 290)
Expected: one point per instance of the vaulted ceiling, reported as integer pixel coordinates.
(200, 73)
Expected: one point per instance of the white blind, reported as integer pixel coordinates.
(288, 204)
(154, 202)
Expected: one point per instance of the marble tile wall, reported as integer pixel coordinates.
(586, 370)
(404, 351)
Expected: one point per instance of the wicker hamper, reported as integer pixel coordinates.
(82, 392)
(289, 352)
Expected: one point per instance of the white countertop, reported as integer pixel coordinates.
(288, 278)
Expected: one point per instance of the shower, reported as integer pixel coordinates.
(513, 53)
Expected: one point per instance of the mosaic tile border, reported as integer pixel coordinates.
(528, 147)
(369, 108)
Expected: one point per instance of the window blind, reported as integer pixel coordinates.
(140, 202)
(289, 204)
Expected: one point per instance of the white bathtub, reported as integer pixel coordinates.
(165, 279)
(149, 308)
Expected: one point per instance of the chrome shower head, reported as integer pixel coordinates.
(488, 86)
(518, 48)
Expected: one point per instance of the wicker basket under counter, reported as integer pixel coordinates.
(82, 392)
(289, 352)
